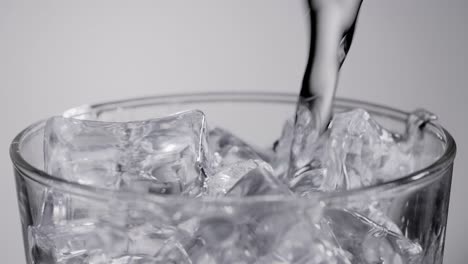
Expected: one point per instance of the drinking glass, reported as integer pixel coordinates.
(96, 225)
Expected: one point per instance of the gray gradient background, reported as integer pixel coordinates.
(58, 54)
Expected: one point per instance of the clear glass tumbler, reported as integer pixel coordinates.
(93, 225)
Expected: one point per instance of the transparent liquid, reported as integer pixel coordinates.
(332, 26)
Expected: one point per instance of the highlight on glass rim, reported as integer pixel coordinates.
(255, 177)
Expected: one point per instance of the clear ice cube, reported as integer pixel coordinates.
(218, 231)
(166, 154)
(173, 252)
(305, 243)
(74, 242)
(230, 149)
(58, 208)
(228, 239)
(354, 152)
(259, 181)
(368, 241)
(294, 235)
(146, 239)
(55, 208)
(226, 177)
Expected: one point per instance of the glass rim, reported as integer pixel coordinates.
(422, 176)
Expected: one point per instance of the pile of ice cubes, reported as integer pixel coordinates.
(180, 155)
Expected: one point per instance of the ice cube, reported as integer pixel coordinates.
(57, 208)
(168, 152)
(223, 180)
(223, 239)
(299, 238)
(146, 239)
(232, 234)
(203, 258)
(370, 153)
(230, 149)
(302, 245)
(259, 181)
(368, 241)
(308, 181)
(354, 152)
(217, 231)
(173, 252)
(74, 242)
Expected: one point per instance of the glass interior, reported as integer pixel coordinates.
(65, 222)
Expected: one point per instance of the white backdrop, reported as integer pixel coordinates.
(58, 54)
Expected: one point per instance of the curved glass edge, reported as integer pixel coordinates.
(414, 180)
